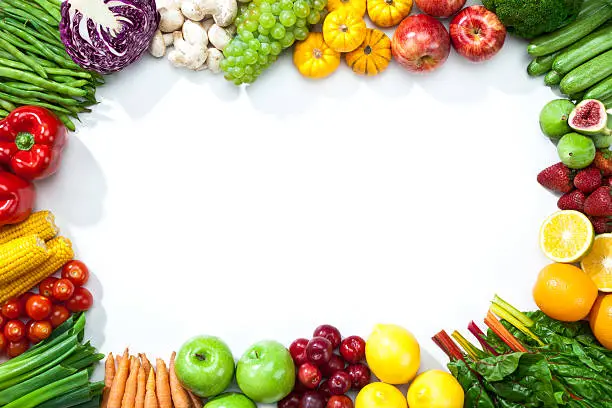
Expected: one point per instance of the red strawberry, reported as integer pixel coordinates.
(601, 225)
(603, 161)
(573, 200)
(588, 180)
(599, 203)
(557, 177)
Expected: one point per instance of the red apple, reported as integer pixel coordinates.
(420, 43)
(477, 33)
(440, 8)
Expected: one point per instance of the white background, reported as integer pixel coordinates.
(261, 212)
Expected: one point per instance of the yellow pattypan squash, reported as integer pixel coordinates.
(373, 55)
(344, 30)
(358, 6)
(314, 58)
(388, 13)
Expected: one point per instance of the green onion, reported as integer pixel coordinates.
(51, 391)
(50, 376)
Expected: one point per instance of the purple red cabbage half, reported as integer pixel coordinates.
(106, 36)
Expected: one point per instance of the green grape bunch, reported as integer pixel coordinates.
(264, 29)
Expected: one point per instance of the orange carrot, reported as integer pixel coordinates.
(129, 396)
(140, 388)
(180, 398)
(145, 363)
(109, 374)
(163, 385)
(195, 400)
(150, 397)
(118, 385)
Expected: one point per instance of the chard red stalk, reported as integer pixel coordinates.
(474, 352)
(476, 332)
(444, 341)
(503, 333)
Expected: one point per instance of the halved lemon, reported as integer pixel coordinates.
(566, 236)
(598, 262)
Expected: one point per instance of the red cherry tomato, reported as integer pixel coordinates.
(12, 309)
(38, 307)
(40, 330)
(45, 287)
(77, 272)
(3, 343)
(3, 321)
(23, 300)
(16, 348)
(80, 301)
(63, 289)
(14, 330)
(59, 314)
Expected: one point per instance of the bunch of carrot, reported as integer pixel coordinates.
(132, 382)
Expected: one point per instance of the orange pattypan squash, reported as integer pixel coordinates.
(314, 58)
(373, 55)
(358, 6)
(388, 13)
(344, 30)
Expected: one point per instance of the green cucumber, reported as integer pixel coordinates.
(541, 65)
(588, 74)
(589, 47)
(571, 33)
(588, 7)
(601, 90)
(608, 103)
(553, 78)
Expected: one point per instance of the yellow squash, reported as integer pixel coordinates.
(388, 13)
(314, 58)
(358, 6)
(344, 30)
(372, 56)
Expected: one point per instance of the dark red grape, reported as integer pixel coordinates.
(359, 375)
(319, 350)
(298, 351)
(335, 363)
(309, 375)
(324, 390)
(330, 333)
(339, 383)
(340, 401)
(312, 399)
(353, 349)
(290, 401)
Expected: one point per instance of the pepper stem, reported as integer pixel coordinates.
(24, 140)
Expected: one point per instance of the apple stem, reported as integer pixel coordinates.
(200, 357)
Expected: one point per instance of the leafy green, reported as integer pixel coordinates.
(530, 18)
(475, 394)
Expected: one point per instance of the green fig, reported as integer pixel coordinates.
(553, 118)
(590, 118)
(576, 151)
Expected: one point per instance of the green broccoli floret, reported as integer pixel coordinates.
(530, 18)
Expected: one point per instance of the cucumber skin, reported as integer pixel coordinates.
(589, 47)
(608, 103)
(553, 78)
(571, 33)
(588, 74)
(541, 65)
(600, 91)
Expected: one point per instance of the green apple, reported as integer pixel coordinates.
(205, 366)
(230, 400)
(266, 372)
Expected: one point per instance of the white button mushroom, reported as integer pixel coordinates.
(157, 47)
(214, 60)
(218, 37)
(168, 39)
(208, 23)
(223, 11)
(171, 19)
(190, 46)
(193, 11)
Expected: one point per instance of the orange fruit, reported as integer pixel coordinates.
(601, 320)
(566, 236)
(598, 262)
(564, 292)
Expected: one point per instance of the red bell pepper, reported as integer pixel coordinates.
(31, 142)
(16, 199)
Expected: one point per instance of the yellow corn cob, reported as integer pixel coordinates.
(41, 223)
(60, 252)
(21, 255)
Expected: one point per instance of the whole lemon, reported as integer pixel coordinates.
(435, 389)
(393, 354)
(380, 395)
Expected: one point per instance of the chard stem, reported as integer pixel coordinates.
(468, 347)
(476, 332)
(448, 346)
(503, 333)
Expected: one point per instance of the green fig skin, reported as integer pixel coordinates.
(576, 151)
(553, 118)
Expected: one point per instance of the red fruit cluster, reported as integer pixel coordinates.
(31, 317)
(588, 190)
(324, 376)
